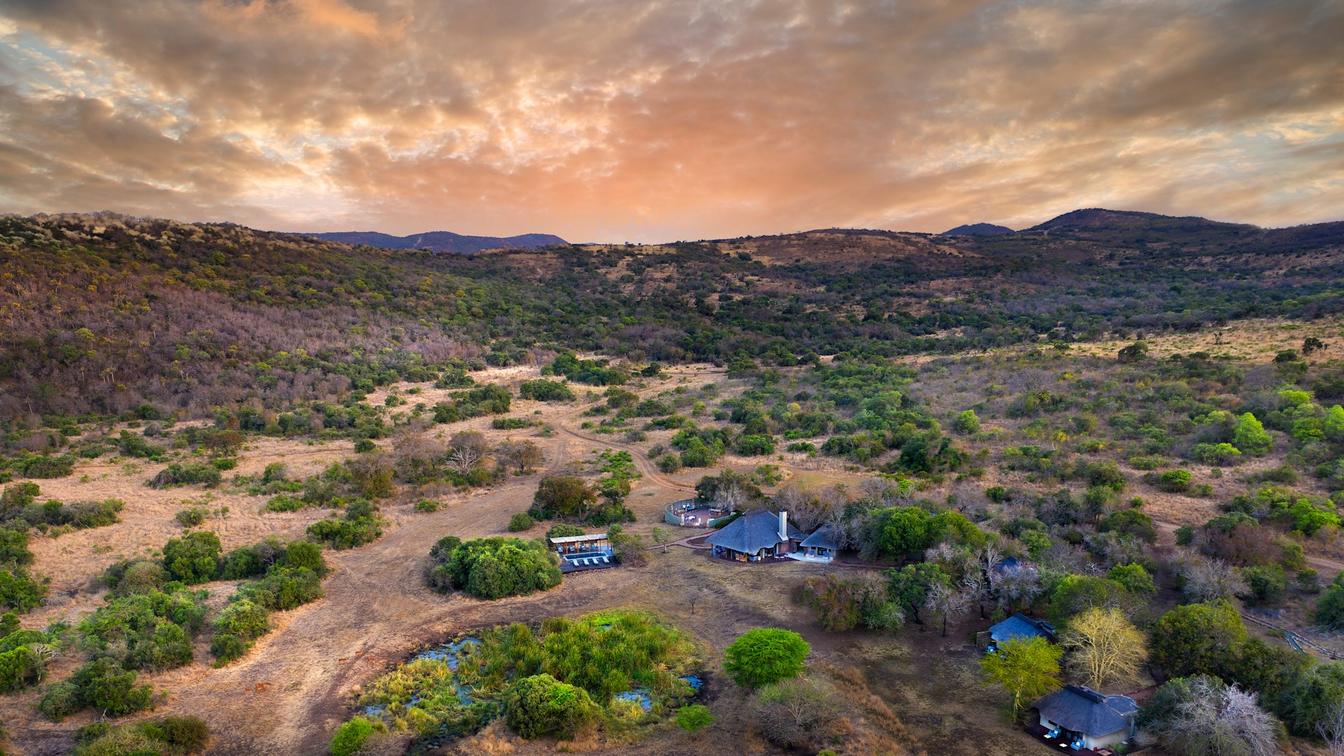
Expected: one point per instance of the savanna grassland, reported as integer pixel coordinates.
(233, 462)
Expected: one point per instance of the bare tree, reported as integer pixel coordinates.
(1331, 727)
(945, 602)
(1013, 588)
(1210, 579)
(522, 456)
(1217, 719)
(466, 450)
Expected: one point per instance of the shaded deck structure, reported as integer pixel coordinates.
(592, 551)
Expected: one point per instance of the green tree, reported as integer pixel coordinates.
(1250, 436)
(1330, 606)
(1198, 639)
(967, 423)
(562, 496)
(902, 532)
(1312, 698)
(910, 585)
(1026, 668)
(765, 655)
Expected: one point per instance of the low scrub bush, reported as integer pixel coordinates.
(101, 684)
(168, 736)
(359, 525)
(187, 474)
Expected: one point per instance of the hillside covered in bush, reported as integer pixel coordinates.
(105, 315)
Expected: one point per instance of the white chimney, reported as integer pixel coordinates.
(783, 525)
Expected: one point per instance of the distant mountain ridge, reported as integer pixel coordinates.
(441, 241)
(1098, 219)
(978, 229)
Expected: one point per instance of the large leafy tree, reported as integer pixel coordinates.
(1026, 668)
(765, 655)
(1198, 639)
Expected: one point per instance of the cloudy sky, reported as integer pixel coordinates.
(623, 119)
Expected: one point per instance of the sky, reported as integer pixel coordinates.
(615, 120)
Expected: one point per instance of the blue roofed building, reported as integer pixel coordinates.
(1019, 627)
(1081, 719)
(755, 536)
(821, 546)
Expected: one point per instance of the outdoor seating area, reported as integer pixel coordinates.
(693, 513)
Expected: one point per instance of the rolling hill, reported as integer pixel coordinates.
(441, 241)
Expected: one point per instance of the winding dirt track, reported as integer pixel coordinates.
(646, 468)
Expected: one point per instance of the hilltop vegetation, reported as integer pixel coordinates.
(108, 315)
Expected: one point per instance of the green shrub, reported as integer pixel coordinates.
(60, 700)
(283, 588)
(967, 423)
(669, 463)
(1172, 481)
(285, 503)
(1267, 584)
(426, 505)
(14, 547)
(1216, 454)
(1330, 606)
(150, 630)
(520, 521)
(134, 445)
(45, 466)
(694, 718)
(187, 474)
(19, 590)
(350, 737)
(1250, 436)
(304, 555)
(239, 624)
(193, 558)
(250, 561)
(19, 668)
(191, 517)
(754, 444)
(765, 655)
(101, 684)
(169, 736)
(541, 706)
(491, 568)
(346, 532)
(543, 390)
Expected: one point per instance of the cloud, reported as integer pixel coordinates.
(614, 119)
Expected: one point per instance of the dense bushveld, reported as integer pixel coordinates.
(103, 314)
(1152, 499)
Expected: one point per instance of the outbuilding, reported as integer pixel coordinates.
(1081, 719)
